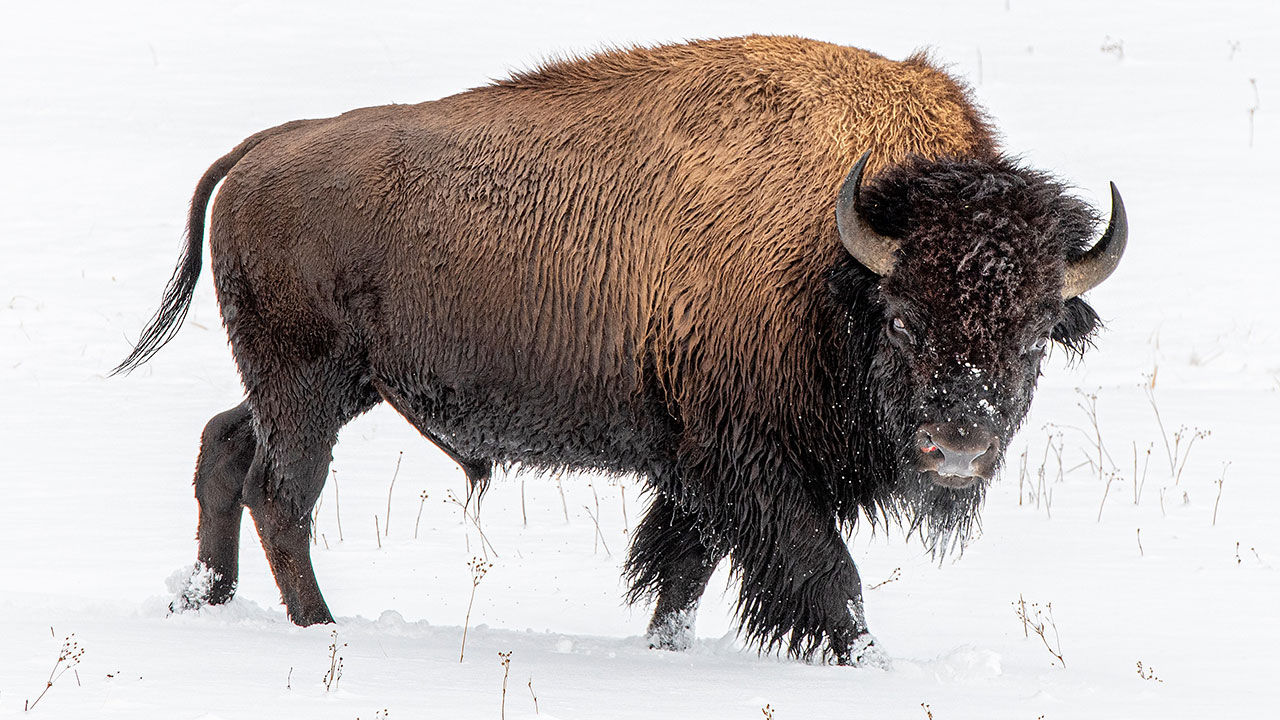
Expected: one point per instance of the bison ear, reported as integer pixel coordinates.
(873, 250)
(1076, 328)
(1089, 270)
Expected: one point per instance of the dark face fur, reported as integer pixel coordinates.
(958, 329)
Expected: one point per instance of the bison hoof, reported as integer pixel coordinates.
(196, 586)
(673, 631)
(864, 652)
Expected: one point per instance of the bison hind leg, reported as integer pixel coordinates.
(670, 560)
(227, 447)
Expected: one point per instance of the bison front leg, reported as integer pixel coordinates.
(800, 589)
(670, 560)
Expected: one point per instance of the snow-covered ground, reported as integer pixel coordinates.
(109, 112)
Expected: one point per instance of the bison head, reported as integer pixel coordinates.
(976, 268)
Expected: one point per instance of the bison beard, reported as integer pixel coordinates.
(652, 262)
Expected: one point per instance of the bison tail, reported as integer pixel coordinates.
(177, 294)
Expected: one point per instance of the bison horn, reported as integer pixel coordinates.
(873, 250)
(1088, 271)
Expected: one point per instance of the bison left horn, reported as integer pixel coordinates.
(873, 250)
(1089, 270)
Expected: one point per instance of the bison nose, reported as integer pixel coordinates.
(958, 453)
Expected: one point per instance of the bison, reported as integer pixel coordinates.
(654, 261)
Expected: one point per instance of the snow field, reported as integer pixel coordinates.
(110, 113)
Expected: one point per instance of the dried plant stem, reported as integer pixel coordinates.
(377, 532)
(1022, 474)
(1105, 491)
(394, 475)
(478, 569)
(1257, 103)
(622, 490)
(535, 697)
(1221, 481)
(1195, 435)
(506, 671)
(524, 515)
(474, 518)
(315, 520)
(1041, 622)
(1140, 552)
(334, 674)
(1089, 404)
(68, 658)
(599, 534)
(1138, 485)
(1149, 389)
(895, 575)
(466, 624)
(564, 505)
(337, 504)
(421, 503)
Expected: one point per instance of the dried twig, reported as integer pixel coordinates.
(337, 504)
(334, 673)
(599, 534)
(895, 575)
(422, 501)
(394, 475)
(1221, 481)
(1041, 623)
(68, 658)
(478, 569)
(505, 658)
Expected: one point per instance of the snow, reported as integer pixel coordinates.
(110, 112)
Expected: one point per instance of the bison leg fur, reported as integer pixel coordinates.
(670, 560)
(800, 589)
(280, 501)
(298, 411)
(227, 448)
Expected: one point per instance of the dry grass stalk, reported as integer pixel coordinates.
(505, 658)
(1221, 481)
(478, 569)
(394, 475)
(1041, 623)
(68, 658)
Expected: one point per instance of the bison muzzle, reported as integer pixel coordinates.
(652, 261)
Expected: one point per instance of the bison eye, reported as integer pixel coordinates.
(899, 328)
(1039, 345)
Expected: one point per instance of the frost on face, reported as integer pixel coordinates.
(985, 406)
(673, 631)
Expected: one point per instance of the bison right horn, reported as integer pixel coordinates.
(1089, 270)
(873, 250)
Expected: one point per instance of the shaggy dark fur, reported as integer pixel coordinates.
(630, 263)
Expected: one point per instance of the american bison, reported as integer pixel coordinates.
(653, 261)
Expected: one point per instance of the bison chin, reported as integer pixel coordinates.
(945, 516)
